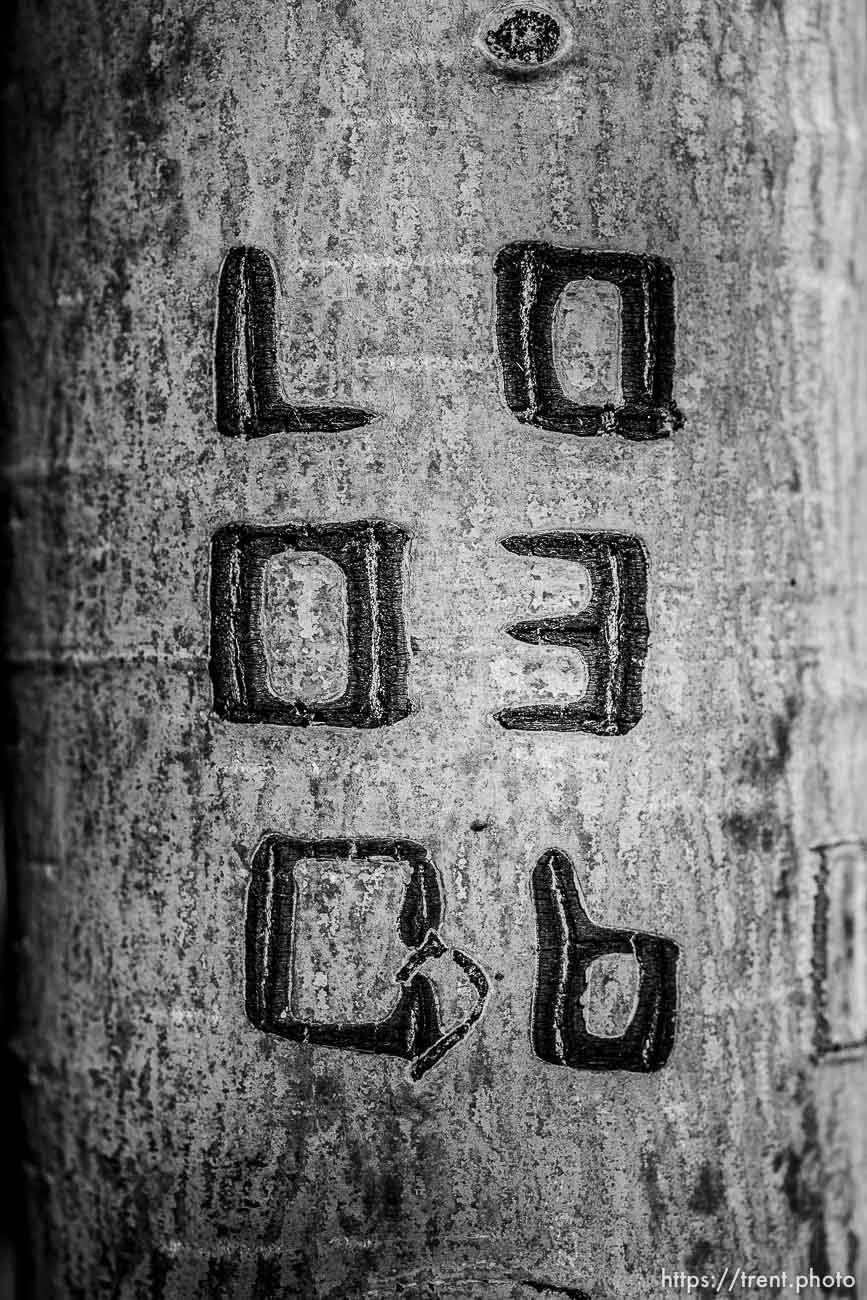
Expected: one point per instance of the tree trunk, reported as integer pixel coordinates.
(315, 838)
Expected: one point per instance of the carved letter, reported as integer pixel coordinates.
(530, 279)
(568, 942)
(840, 950)
(412, 1030)
(250, 400)
(611, 633)
(372, 555)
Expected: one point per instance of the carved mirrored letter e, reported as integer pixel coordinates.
(611, 633)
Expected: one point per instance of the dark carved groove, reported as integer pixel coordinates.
(249, 399)
(568, 941)
(371, 554)
(612, 633)
(839, 909)
(412, 1030)
(530, 279)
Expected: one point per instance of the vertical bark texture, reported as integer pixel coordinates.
(173, 1150)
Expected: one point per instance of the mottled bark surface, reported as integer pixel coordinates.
(172, 1149)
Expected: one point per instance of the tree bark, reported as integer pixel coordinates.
(175, 1148)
